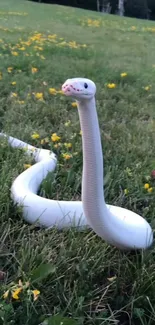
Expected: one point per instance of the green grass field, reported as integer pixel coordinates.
(40, 47)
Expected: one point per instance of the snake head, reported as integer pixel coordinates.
(79, 88)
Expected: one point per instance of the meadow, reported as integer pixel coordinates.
(74, 275)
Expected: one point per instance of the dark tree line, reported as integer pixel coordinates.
(144, 9)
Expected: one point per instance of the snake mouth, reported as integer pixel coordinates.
(69, 90)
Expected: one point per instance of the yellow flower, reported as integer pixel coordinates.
(150, 189)
(68, 145)
(9, 69)
(42, 57)
(14, 53)
(68, 123)
(52, 36)
(6, 293)
(44, 141)
(21, 102)
(16, 293)
(35, 135)
(123, 74)
(126, 191)
(36, 294)
(55, 137)
(111, 85)
(26, 166)
(34, 70)
(52, 91)
(14, 95)
(74, 104)
(57, 145)
(39, 48)
(13, 83)
(22, 48)
(66, 156)
(146, 186)
(147, 88)
(80, 132)
(39, 96)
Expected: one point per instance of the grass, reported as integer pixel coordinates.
(90, 282)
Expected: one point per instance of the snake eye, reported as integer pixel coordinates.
(85, 85)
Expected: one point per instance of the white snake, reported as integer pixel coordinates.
(118, 226)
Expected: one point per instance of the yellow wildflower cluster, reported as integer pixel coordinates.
(4, 29)
(15, 290)
(148, 187)
(53, 91)
(68, 145)
(57, 145)
(20, 102)
(14, 95)
(91, 22)
(40, 39)
(66, 156)
(39, 48)
(44, 141)
(13, 13)
(34, 45)
(55, 138)
(143, 29)
(148, 29)
(111, 85)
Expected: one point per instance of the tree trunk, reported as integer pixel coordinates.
(98, 5)
(104, 6)
(121, 7)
